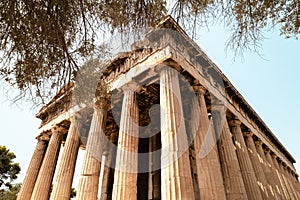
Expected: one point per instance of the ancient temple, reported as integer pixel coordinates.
(170, 126)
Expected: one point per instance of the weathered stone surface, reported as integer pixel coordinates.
(209, 173)
(44, 180)
(289, 181)
(64, 177)
(233, 180)
(89, 178)
(257, 165)
(285, 192)
(267, 171)
(33, 169)
(176, 179)
(295, 183)
(125, 177)
(247, 170)
(154, 192)
(276, 180)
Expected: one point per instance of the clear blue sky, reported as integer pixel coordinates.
(270, 85)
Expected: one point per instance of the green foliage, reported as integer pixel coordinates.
(42, 43)
(10, 194)
(8, 169)
(88, 83)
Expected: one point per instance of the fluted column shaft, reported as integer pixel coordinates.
(105, 179)
(233, 180)
(267, 170)
(247, 170)
(176, 179)
(44, 180)
(33, 168)
(154, 174)
(292, 189)
(276, 181)
(125, 177)
(282, 183)
(285, 180)
(257, 166)
(64, 177)
(207, 161)
(295, 183)
(89, 178)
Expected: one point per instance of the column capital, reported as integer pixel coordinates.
(281, 163)
(284, 165)
(234, 122)
(293, 173)
(101, 103)
(199, 89)
(165, 65)
(274, 156)
(258, 142)
(132, 86)
(267, 150)
(248, 134)
(43, 137)
(59, 129)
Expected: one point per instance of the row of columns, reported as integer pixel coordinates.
(236, 168)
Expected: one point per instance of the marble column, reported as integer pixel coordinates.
(233, 180)
(89, 178)
(105, 179)
(209, 173)
(295, 183)
(43, 183)
(276, 181)
(154, 173)
(64, 177)
(125, 177)
(257, 165)
(33, 168)
(282, 183)
(293, 190)
(176, 179)
(285, 180)
(267, 171)
(247, 170)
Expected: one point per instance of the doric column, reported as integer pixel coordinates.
(176, 179)
(208, 166)
(233, 180)
(257, 165)
(125, 177)
(276, 168)
(89, 178)
(276, 181)
(285, 180)
(154, 173)
(106, 174)
(43, 183)
(247, 170)
(295, 183)
(288, 176)
(267, 171)
(33, 168)
(108, 156)
(64, 177)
